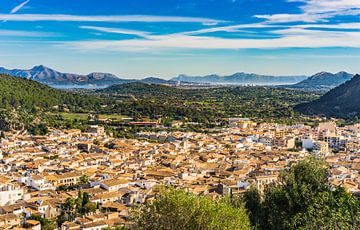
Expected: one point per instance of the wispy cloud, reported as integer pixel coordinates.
(229, 29)
(20, 33)
(19, 7)
(105, 18)
(290, 38)
(117, 31)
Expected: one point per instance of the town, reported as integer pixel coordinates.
(41, 174)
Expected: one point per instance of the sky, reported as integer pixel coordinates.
(164, 38)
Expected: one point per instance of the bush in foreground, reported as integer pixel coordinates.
(303, 199)
(177, 209)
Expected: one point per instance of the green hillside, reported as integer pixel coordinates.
(22, 94)
(341, 102)
(25, 104)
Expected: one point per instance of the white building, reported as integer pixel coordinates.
(10, 193)
(307, 143)
(39, 183)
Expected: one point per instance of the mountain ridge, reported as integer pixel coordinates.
(343, 101)
(56, 79)
(324, 80)
(241, 78)
(50, 76)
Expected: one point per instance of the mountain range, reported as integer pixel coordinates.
(48, 76)
(323, 81)
(241, 79)
(55, 78)
(342, 101)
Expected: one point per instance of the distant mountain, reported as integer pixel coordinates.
(342, 101)
(155, 80)
(241, 79)
(57, 79)
(324, 80)
(49, 76)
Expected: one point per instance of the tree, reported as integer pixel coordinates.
(68, 212)
(303, 199)
(177, 209)
(253, 205)
(84, 179)
(89, 207)
(45, 223)
(73, 208)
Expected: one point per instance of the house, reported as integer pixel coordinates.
(85, 146)
(33, 224)
(107, 197)
(114, 184)
(284, 142)
(321, 146)
(16, 208)
(47, 208)
(96, 130)
(98, 225)
(10, 192)
(69, 178)
(39, 183)
(9, 220)
(263, 180)
(70, 226)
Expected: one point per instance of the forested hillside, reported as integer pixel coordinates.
(22, 94)
(342, 102)
(24, 104)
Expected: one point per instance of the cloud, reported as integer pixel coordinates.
(19, 7)
(19, 33)
(340, 26)
(229, 29)
(279, 18)
(290, 38)
(349, 7)
(104, 18)
(117, 31)
(316, 11)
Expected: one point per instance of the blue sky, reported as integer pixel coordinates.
(138, 38)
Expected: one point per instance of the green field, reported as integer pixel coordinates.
(84, 116)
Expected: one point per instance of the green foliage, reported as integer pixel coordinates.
(177, 209)
(31, 105)
(341, 102)
(18, 93)
(24, 103)
(303, 199)
(84, 180)
(253, 205)
(205, 105)
(73, 208)
(40, 129)
(45, 223)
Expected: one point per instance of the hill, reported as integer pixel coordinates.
(241, 79)
(324, 80)
(155, 80)
(342, 101)
(28, 94)
(141, 88)
(23, 101)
